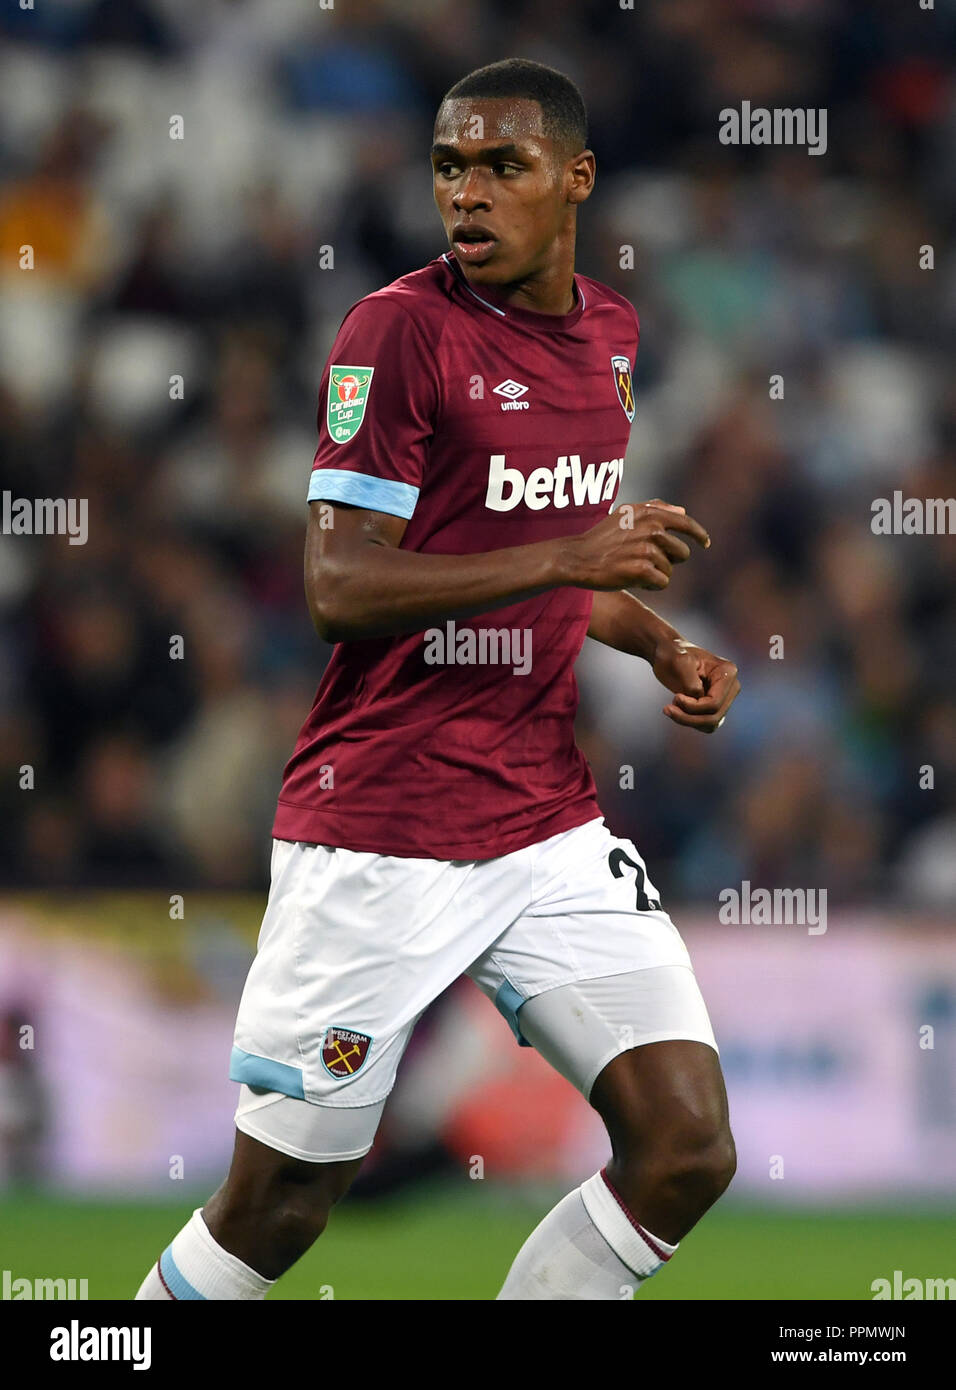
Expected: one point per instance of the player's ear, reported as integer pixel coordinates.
(581, 173)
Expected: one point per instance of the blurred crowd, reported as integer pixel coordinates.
(163, 356)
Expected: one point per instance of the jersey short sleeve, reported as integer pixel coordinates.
(378, 403)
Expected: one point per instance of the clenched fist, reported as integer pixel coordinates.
(635, 547)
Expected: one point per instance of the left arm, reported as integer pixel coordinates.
(620, 620)
(704, 685)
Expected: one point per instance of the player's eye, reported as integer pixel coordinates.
(507, 169)
(447, 169)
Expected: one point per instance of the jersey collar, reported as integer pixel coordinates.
(497, 304)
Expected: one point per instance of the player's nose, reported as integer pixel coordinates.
(472, 193)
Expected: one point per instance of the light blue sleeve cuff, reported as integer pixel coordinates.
(361, 490)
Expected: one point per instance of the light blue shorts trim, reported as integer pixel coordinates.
(262, 1071)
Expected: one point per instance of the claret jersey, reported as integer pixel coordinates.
(484, 426)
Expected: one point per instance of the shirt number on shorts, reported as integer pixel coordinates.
(615, 860)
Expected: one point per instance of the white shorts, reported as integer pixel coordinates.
(355, 946)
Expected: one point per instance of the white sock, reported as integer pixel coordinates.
(588, 1247)
(194, 1266)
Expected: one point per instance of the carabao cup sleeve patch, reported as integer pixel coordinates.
(377, 410)
(349, 389)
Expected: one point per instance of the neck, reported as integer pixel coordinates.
(548, 293)
(547, 290)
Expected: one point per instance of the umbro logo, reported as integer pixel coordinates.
(511, 390)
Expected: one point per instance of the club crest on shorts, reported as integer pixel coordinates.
(621, 368)
(348, 397)
(344, 1051)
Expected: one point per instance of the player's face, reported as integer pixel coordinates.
(504, 193)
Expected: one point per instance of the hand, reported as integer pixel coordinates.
(632, 548)
(705, 685)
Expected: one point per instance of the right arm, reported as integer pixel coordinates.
(360, 584)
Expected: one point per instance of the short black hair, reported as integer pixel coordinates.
(563, 113)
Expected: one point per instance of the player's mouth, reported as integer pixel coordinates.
(472, 242)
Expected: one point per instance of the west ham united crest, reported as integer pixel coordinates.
(344, 1051)
(621, 368)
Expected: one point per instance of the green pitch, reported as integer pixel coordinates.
(449, 1244)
